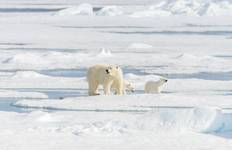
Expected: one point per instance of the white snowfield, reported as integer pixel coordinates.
(80, 130)
(47, 46)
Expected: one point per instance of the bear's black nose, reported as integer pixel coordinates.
(107, 71)
(166, 80)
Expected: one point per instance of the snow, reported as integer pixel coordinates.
(150, 13)
(82, 9)
(135, 102)
(16, 94)
(162, 9)
(104, 53)
(87, 10)
(139, 46)
(47, 47)
(199, 119)
(189, 8)
(64, 60)
(110, 11)
(31, 79)
(106, 130)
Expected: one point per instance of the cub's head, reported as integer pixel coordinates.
(163, 80)
(128, 86)
(113, 70)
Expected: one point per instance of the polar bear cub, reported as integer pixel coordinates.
(154, 87)
(127, 87)
(105, 75)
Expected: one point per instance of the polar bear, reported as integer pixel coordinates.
(154, 87)
(127, 86)
(105, 75)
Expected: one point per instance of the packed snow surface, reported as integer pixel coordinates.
(107, 130)
(47, 47)
(17, 94)
(128, 103)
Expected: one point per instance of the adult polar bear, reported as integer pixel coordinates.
(107, 76)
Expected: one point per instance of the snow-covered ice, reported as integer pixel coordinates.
(47, 46)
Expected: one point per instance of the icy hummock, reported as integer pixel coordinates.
(110, 11)
(205, 119)
(104, 53)
(83, 9)
(199, 119)
(188, 8)
(86, 9)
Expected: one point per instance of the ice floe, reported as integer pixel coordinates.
(104, 53)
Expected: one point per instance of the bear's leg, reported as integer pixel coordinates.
(159, 90)
(107, 87)
(93, 89)
(119, 91)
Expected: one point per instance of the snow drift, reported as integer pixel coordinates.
(199, 119)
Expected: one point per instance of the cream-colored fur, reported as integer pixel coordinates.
(105, 75)
(127, 86)
(154, 87)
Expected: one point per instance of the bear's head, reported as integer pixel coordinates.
(114, 71)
